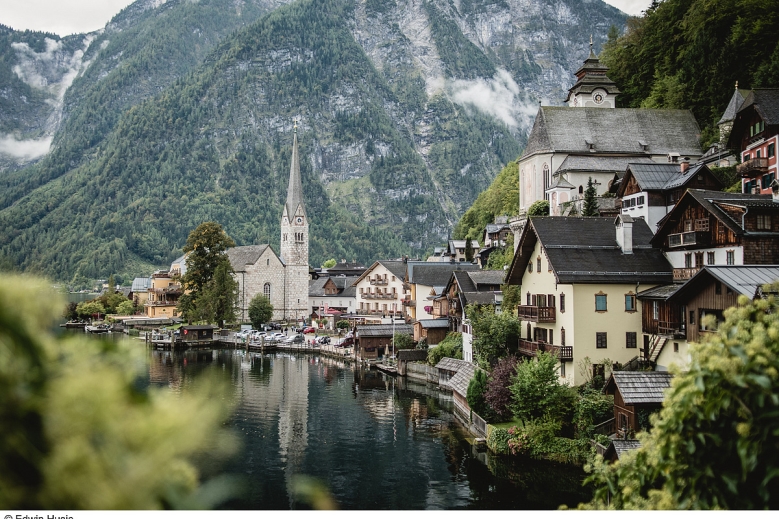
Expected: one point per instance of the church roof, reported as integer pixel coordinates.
(588, 163)
(592, 75)
(736, 100)
(640, 132)
(295, 190)
(240, 257)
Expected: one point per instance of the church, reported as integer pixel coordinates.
(592, 138)
(283, 279)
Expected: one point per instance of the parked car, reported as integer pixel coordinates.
(295, 339)
(277, 336)
(323, 340)
(256, 336)
(309, 329)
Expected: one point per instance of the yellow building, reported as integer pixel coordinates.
(579, 278)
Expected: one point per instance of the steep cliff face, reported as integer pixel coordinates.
(406, 110)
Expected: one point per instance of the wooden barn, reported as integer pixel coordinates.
(637, 394)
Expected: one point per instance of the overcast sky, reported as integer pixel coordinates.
(65, 17)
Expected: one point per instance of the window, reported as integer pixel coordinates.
(688, 260)
(764, 221)
(655, 310)
(771, 150)
(731, 257)
(630, 302)
(266, 290)
(676, 347)
(718, 288)
(538, 264)
(631, 340)
(710, 258)
(701, 224)
(766, 180)
(550, 300)
(640, 200)
(698, 259)
(562, 369)
(692, 316)
(746, 157)
(530, 266)
(600, 339)
(562, 303)
(528, 299)
(562, 336)
(687, 225)
(267, 261)
(551, 336)
(600, 302)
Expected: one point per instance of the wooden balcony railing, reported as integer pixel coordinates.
(533, 347)
(537, 314)
(753, 167)
(408, 302)
(684, 239)
(685, 274)
(378, 281)
(671, 328)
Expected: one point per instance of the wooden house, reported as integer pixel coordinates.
(432, 330)
(755, 133)
(423, 281)
(637, 394)
(716, 228)
(650, 190)
(373, 341)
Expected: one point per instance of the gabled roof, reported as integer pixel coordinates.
(715, 202)
(435, 274)
(620, 447)
(450, 364)
(483, 278)
(496, 227)
(585, 250)
(240, 257)
(316, 287)
(762, 101)
(743, 279)
(662, 177)
(592, 75)
(639, 387)
(616, 130)
(460, 381)
(396, 267)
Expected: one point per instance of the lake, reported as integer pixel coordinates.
(371, 441)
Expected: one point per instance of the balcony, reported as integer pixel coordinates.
(685, 273)
(377, 281)
(671, 329)
(161, 303)
(537, 314)
(753, 167)
(408, 302)
(688, 239)
(564, 353)
(380, 296)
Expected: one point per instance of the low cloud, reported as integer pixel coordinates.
(499, 97)
(24, 151)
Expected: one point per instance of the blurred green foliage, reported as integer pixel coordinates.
(80, 425)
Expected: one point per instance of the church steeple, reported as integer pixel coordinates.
(294, 241)
(295, 189)
(592, 88)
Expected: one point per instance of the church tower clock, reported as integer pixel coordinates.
(294, 242)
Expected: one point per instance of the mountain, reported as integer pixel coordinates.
(406, 110)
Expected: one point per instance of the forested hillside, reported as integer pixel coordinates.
(691, 53)
(406, 110)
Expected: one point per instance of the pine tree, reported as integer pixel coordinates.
(590, 202)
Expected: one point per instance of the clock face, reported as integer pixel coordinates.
(597, 97)
(300, 220)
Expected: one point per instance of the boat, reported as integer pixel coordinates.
(99, 328)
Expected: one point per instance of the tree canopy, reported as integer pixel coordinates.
(260, 311)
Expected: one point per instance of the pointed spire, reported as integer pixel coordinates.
(592, 54)
(295, 189)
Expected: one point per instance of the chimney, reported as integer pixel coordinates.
(624, 225)
(684, 165)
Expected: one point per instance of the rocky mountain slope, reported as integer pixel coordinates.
(407, 109)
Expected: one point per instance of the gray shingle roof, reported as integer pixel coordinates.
(435, 274)
(450, 364)
(661, 292)
(383, 330)
(478, 298)
(736, 100)
(247, 255)
(641, 387)
(587, 163)
(585, 250)
(486, 277)
(459, 382)
(622, 446)
(434, 323)
(618, 130)
(742, 279)
(766, 103)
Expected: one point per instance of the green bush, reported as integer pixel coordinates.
(451, 346)
(498, 440)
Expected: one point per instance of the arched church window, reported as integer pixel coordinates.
(266, 290)
(581, 190)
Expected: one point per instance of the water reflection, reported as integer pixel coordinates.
(376, 442)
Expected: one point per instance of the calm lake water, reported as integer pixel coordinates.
(373, 441)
